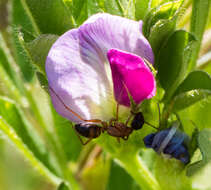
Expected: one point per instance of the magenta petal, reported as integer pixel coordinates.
(129, 72)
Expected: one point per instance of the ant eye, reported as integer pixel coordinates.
(138, 121)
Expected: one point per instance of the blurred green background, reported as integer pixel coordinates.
(45, 151)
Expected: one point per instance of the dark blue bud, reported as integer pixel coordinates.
(174, 143)
(182, 154)
(148, 140)
(169, 141)
(159, 138)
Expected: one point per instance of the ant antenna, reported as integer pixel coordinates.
(151, 125)
(70, 110)
(159, 114)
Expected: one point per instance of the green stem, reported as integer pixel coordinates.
(184, 20)
(199, 19)
(10, 133)
(138, 170)
(11, 63)
(120, 7)
(13, 91)
(126, 12)
(204, 61)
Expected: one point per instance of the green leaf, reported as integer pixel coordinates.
(10, 134)
(116, 173)
(23, 28)
(21, 56)
(204, 144)
(155, 3)
(38, 49)
(162, 12)
(15, 118)
(114, 7)
(199, 19)
(22, 19)
(173, 68)
(78, 8)
(42, 80)
(63, 186)
(51, 16)
(170, 174)
(141, 8)
(195, 87)
(137, 169)
(193, 144)
(95, 172)
(195, 80)
(160, 33)
(93, 7)
(186, 99)
(5, 62)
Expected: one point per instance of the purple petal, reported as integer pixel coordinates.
(102, 32)
(129, 72)
(82, 86)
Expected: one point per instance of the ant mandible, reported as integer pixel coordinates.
(93, 128)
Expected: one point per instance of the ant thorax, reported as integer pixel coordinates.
(118, 129)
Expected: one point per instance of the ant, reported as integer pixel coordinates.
(91, 129)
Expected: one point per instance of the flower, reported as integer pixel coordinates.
(103, 58)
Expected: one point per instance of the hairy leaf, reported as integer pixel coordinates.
(51, 16)
(204, 144)
(173, 61)
(38, 49)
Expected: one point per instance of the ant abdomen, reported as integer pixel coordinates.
(88, 130)
(169, 141)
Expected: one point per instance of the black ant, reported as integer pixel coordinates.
(91, 130)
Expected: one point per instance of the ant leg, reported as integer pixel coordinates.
(151, 125)
(70, 110)
(111, 121)
(128, 119)
(87, 141)
(117, 111)
(118, 139)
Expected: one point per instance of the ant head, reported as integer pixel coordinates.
(138, 121)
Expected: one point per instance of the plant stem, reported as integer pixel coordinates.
(204, 60)
(12, 136)
(137, 169)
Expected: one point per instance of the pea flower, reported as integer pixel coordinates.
(104, 58)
